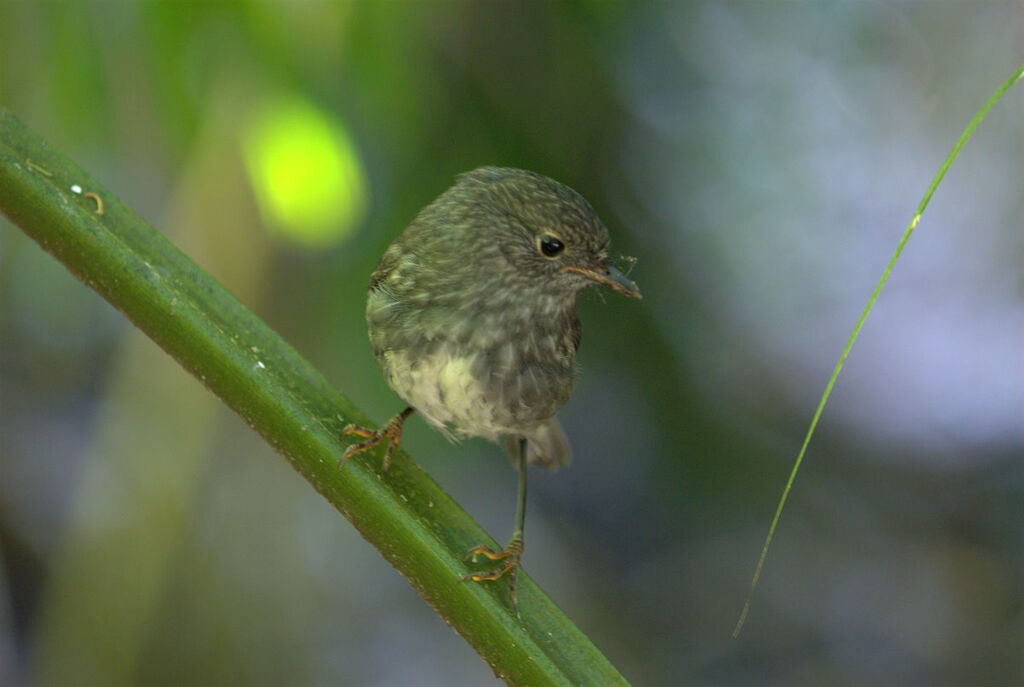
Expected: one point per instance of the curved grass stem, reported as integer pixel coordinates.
(971, 126)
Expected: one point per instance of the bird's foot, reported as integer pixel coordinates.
(391, 432)
(510, 558)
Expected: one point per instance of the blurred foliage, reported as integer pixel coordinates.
(759, 160)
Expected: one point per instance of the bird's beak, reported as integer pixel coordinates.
(607, 274)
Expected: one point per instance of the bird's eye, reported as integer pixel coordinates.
(550, 245)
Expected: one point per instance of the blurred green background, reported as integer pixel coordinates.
(760, 161)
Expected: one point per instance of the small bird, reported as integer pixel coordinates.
(473, 321)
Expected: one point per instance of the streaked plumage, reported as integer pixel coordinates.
(472, 315)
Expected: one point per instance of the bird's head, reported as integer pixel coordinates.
(547, 232)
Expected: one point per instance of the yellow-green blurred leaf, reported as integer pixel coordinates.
(305, 172)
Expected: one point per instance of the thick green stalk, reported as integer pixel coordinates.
(403, 513)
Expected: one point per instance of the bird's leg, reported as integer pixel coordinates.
(391, 432)
(511, 555)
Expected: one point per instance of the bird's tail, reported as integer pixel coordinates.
(547, 445)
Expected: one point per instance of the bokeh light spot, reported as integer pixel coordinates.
(305, 172)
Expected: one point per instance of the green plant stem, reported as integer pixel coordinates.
(975, 121)
(415, 525)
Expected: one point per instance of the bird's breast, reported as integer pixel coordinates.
(486, 373)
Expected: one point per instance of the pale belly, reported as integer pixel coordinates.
(459, 394)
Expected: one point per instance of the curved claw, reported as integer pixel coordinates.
(486, 552)
(510, 556)
(392, 432)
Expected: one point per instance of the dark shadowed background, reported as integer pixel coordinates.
(759, 161)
